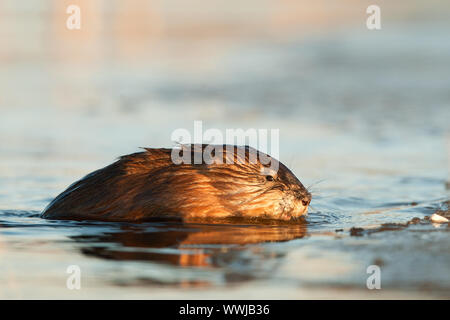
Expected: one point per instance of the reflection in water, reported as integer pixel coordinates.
(236, 250)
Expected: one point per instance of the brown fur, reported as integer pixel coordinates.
(148, 185)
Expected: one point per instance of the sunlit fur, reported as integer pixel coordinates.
(149, 185)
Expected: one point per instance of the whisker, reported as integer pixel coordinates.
(314, 184)
(251, 199)
(291, 160)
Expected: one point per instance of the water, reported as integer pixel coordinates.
(363, 120)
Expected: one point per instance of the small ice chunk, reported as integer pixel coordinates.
(437, 218)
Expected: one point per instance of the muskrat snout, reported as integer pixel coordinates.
(299, 205)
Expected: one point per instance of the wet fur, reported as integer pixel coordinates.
(149, 185)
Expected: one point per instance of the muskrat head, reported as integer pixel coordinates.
(246, 183)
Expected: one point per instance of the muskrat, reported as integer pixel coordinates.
(149, 185)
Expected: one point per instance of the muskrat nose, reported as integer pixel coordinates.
(305, 198)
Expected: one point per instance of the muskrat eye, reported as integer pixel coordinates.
(269, 178)
(305, 202)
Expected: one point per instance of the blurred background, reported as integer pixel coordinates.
(363, 114)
